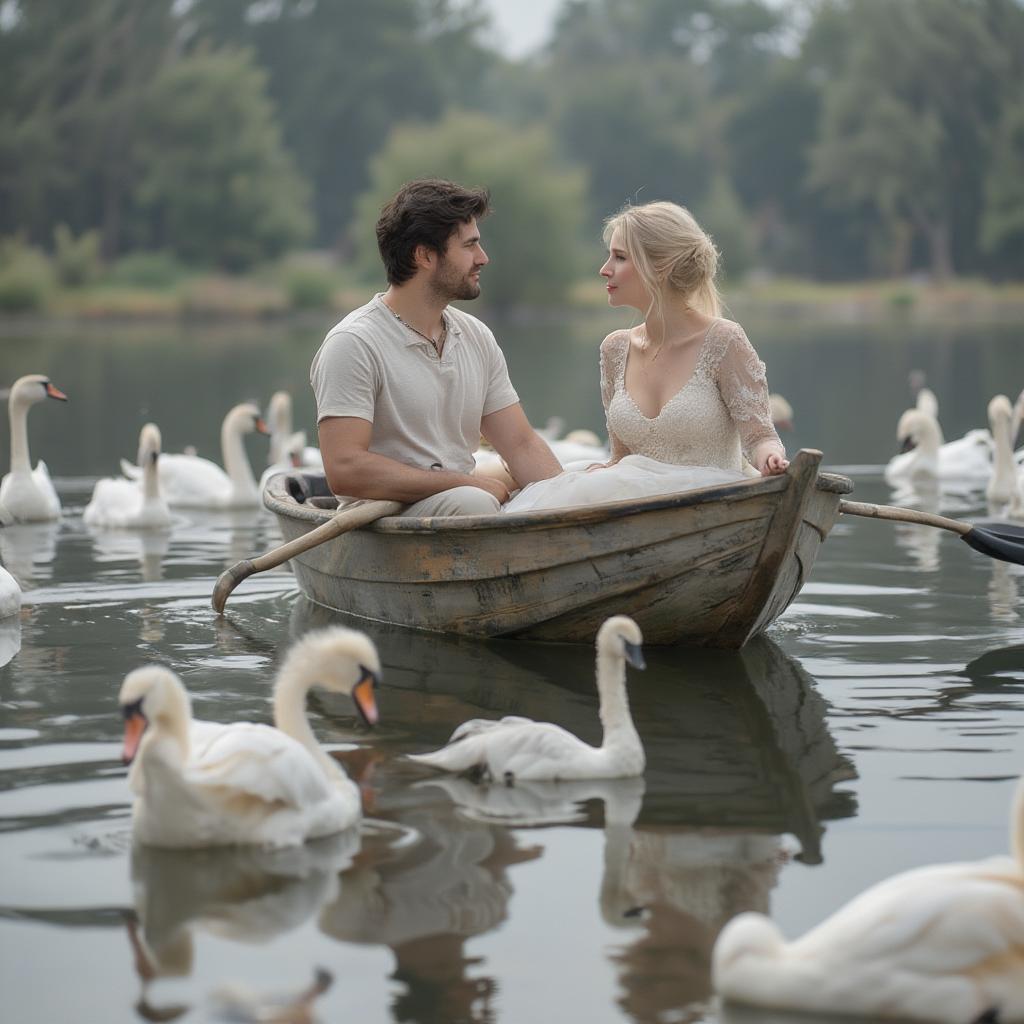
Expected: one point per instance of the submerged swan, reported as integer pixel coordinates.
(206, 784)
(27, 495)
(189, 481)
(518, 748)
(943, 943)
(120, 503)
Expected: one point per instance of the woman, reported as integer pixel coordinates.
(685, 395)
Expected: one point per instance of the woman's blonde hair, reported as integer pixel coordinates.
(669, 250)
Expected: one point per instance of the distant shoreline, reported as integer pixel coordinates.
(219, 300)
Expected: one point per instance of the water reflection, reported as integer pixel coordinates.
(245, 894)
(424, 902)
(148, 548)
(27, 550)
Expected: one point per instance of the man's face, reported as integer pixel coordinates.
(457, 274)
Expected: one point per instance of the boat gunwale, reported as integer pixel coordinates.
(276, 501)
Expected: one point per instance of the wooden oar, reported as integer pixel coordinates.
(997, 540)
(341, 522)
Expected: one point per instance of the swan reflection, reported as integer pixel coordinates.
(148, 548)
(246, 894)
(28, 550)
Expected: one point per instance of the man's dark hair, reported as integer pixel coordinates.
(426, 212)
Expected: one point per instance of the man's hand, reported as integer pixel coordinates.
(492, 486)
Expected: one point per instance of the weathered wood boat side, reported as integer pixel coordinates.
(712, 567)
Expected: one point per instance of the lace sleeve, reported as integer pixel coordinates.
(743, 384)
(613, 352)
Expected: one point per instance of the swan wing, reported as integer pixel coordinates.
(521, 749)
(260, 761)
(191, 480)
(476, 726)
(933, 921)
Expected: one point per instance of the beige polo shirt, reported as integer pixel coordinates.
(425, 409)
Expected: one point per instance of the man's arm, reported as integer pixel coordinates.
(525, 452)
(352, 469)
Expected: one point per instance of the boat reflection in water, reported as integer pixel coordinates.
(741, 774)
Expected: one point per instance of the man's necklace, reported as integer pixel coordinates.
(437, 343)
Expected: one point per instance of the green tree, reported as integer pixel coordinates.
(533, 235)
(215, 181)
(907, 118)
(73, 79)
(343, 73)
(1002, 222)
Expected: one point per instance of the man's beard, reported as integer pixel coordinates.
(451, 286)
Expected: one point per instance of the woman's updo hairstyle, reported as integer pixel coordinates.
(669, 250)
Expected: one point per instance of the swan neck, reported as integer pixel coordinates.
(1004, 461)
(17, 414)
(236, 462)
(150, 480)
(611, 688)
(290, 716)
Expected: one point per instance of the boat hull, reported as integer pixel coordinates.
(712, 567)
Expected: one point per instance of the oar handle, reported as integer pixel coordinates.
(902, 515)
(341, 522)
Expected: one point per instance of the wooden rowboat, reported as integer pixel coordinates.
(712, 567)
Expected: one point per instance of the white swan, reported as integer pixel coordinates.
(943, 943)
(518, 748)
(966, 461)
(10, 595)
(27, 495)
(283, 437)
(205, 784)
(120, 503)
(192, 482)
(1004, 484)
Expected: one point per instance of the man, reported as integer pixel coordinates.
(405, 385)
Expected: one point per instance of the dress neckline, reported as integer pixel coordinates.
(676, 394)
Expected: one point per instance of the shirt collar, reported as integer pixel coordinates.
(411, 337)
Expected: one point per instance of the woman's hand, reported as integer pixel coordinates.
(774, 464)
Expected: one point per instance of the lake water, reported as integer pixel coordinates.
(878, 726)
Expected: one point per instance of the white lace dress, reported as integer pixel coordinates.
(706, 433)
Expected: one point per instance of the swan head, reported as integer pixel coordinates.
(295, 448)
(999, 412)
(918, 429)
(151, 695)
(583, 436)
(337, 659)
(34, 387)
(150, 444)
(620, 636)
(747, 937)
(244, 418)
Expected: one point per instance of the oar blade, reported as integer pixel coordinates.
(1004, 543)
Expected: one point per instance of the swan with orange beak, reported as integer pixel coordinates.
(201, 784)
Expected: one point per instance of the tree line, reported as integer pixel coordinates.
(835, 139)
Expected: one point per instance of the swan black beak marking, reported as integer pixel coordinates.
(634, 654)
(908, 445)
(134, 726)
(55, 392)
(362, 694)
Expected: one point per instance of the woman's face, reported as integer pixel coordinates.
(621, 278)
